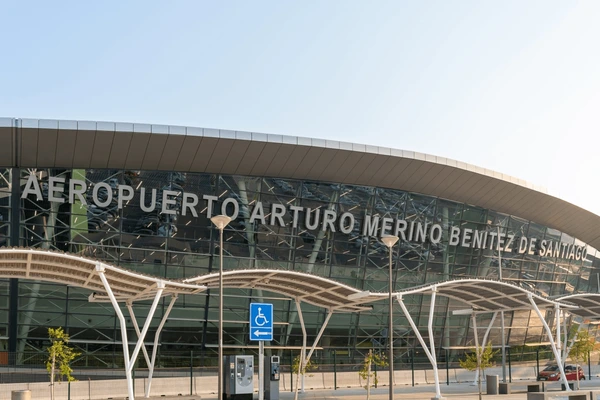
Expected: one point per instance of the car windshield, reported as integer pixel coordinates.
(551, 368)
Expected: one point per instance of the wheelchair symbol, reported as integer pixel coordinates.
(260, 317)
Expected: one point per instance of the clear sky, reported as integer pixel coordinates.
(513, 86)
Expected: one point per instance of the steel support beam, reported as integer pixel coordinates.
(430, 352)
(130, 360)
(140, 342)
(137, 329)
(155, 346)
(123, 326)
(485, 338)
(566, 349)
(312, 349)
(436, 378)
(302, 361)
(477, 350)
(555, 350)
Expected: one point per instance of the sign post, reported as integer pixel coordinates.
(261, 330)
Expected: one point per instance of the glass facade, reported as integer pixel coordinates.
(162, 228)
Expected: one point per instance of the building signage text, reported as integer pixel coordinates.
(326, 219)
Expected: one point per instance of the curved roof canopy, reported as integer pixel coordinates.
(484, 295)
(480, 294)
(78, 271)
(128, 285)
(309, 288)
(589, 304)
(31, 143)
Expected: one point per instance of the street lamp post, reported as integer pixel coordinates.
(390, 241)
(220, 221)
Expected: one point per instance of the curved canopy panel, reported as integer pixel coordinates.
(487, 295)
(480, 294)
(589, 304)
(312, 289)
(78, 271)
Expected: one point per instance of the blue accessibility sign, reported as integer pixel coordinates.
(261, 321)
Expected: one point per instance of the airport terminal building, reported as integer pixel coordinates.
(141, 197)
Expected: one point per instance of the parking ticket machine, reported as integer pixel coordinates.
(238, 381)
(271, 378)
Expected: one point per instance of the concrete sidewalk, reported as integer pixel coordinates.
(456, 391)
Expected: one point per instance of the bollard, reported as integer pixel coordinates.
(20, 395)
(571, 386)
(492, 384)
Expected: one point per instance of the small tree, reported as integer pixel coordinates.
(60, 356)
(301, 370)
(309, 366)
(479, 360)
(377, 359)
(583, 345)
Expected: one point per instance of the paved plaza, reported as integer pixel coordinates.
(456, 391)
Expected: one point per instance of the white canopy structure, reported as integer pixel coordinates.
(108, 284)
(70, 269)
(302, 287)
(312, 289)
(588, 309)
(484, 296)
(588, 305)
(117, 285)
